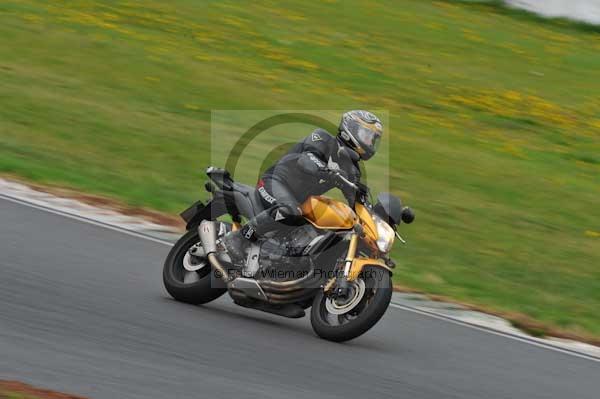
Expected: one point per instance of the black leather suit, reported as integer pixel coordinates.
(302, 172)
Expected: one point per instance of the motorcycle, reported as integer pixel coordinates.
(334, 259)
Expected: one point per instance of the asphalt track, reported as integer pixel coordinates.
(83, 310)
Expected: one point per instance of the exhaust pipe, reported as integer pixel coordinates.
(290, 285)
(208, 236)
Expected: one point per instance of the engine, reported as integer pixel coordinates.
(285, 257)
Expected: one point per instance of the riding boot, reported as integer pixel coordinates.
(237, 242)
(237, 245)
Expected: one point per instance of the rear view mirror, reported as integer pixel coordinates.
(408, 215)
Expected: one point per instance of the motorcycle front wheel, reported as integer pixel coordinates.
(188, 278)
(339, 320)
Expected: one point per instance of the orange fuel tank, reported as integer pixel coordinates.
(327, 213)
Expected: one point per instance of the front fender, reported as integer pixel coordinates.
(358, 264)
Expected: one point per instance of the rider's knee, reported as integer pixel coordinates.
(285, 211)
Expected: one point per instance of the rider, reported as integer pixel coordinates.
(311, 167)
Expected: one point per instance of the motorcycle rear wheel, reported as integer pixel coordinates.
(196, 287)
(339, 326)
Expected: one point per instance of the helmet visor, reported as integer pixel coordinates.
(368, 137)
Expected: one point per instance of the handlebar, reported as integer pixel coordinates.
(346, 181)
(361, 191)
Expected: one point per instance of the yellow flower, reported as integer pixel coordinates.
(512, 95)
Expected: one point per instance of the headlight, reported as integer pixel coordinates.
(385, 235)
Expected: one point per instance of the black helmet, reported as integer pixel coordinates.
(361, 131)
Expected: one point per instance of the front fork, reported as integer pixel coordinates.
(341, 289)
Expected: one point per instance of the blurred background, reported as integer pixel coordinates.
(494, 121)
(577, 10)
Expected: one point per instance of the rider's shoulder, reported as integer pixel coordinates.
(320, 136)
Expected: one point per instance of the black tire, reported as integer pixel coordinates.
(204, 290)
(377, 297)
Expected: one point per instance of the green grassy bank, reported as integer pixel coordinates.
(494, 121)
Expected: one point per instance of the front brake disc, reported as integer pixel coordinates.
(338, 308)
